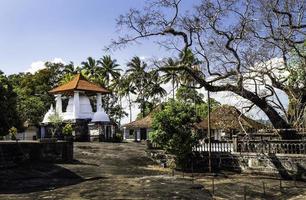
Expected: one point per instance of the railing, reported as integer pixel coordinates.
(255, 146)
(273, 146)
(216, 146)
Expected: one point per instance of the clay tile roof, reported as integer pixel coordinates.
(145, 122)
(227, 117)
(79, 83)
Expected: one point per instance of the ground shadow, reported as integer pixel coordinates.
(37, 176)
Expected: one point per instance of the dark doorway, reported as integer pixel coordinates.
(108, 132)
(143, 134)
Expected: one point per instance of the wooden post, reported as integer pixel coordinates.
(209, 133)
(213, 185)
(280, 185)
(192, 170)
(264, 188)
(244, 192)
(235, 143)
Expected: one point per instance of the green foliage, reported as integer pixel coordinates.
(202, 109)
(189, 95)
(33, 98)
(297, 68)
(13, 132)
(67, 129)
(173, 129)
(116, 112)
(8, 105)
(147, 109)
(56, 121)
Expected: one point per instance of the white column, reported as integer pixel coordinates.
(58, 99)
(99, 102)
(125, 133)
(138, 134)
(76, 104)
(113, 130)
(105, 132)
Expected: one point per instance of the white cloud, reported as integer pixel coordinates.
(38, 65)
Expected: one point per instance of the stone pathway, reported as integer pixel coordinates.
(101, 171)
(123, 171)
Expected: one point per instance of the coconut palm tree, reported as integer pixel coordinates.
(139, 78)
(191, 61)
(68, 73)
(109, 69)
(171, 75)
(126, 89)
(154, 89)
(90, 67)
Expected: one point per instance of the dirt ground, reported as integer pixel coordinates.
(123, 171)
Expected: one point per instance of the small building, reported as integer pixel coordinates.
(30, 132)
(79, 110)
(226, 121)
(138, 130)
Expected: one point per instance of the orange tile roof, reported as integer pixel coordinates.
(79, 83)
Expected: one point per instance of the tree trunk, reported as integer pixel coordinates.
(130, 107)
(278, 122)
(173, 87)
(284, 128)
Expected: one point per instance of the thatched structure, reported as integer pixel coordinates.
(229, 118)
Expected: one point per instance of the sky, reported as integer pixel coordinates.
(34, 31)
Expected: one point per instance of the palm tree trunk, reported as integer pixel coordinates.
(173, 86)
(130, 107)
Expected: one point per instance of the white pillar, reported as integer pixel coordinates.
(125, 133)
(113, 130)
(99, 102)
(138, 134)
(76, 104)
(58, 99)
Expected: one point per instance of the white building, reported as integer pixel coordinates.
(79, 110)
(138, 130)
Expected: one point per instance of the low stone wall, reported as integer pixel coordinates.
(282, 165)
(13, 153)
(288, 166)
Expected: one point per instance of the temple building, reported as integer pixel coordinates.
(138, 130)
(226, 121)
(88, 124)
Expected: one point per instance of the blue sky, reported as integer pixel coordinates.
(41, 30)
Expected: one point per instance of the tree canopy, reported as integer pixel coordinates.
(234, 42)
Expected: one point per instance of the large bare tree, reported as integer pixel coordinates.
(236, 41)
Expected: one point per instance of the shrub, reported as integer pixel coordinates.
(55, 120)
(67, 129)
(13, 133)
(173, 130)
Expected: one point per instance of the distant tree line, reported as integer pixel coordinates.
(25, 98)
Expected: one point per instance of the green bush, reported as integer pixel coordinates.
(13, 133)
(173, 130)
(117, 137)
(67, 129)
